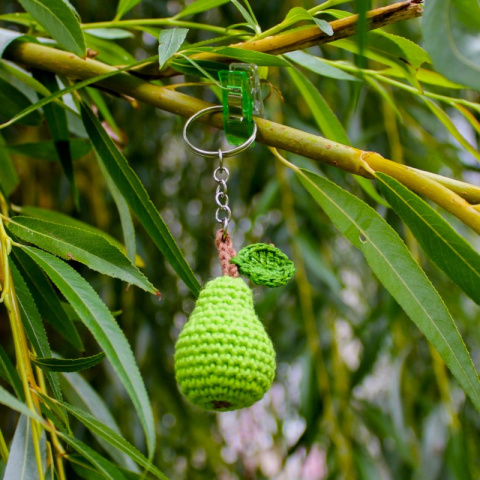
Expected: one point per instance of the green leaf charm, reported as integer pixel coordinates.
(224, 359)
(264, 265)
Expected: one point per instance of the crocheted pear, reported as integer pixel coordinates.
(224, 359)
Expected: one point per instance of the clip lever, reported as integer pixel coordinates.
(241, 97)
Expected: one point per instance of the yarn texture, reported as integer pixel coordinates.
(224, 245)
(264, 265)
(224, 359)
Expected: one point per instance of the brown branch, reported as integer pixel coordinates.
(306, 37)
(342, 28)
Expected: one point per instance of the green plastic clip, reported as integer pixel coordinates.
(241, 97)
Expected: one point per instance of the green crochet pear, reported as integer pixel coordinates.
(224, 359)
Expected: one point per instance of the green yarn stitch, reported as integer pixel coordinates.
(224, 359)
(264, 265)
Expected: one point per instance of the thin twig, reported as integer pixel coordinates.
(299, 39)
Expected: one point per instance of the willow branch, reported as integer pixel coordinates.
(455, 196)
(309, 36)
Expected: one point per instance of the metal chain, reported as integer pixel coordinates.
(220, 175)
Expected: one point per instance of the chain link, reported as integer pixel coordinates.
(221, 175)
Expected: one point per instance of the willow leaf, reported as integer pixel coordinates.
(7, 399)
(33, 325)
(113, 438)
(450, 30)
(21, 464)
(450, 251)
(9, 374)
(98, 319)
(46, 299)
(401, 275)
(137, 197)
(79, 392)
(169, 42)
(124, 6)
(72, 243)
(321, 111)
(102, 465)
(52, 364)
(58, 217)
(70, 89)
(60, 20)
(200, 6)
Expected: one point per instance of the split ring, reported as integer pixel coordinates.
(215, 153)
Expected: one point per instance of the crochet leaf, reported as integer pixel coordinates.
(264, 265)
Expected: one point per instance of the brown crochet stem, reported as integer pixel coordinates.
(224, 245)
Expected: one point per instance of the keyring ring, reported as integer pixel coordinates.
(215, 153)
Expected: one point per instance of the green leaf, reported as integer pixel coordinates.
(8, 175)
(395, 267)
(203, 68)
(10, 71)
(169, 42)
(52, 364)
(102, 465)
(33, 325)
(125, 216)
(317, 65)
(399, 48)
(124, 6)
(450, 251)
(20, 18)
(389, 49)
(361, 30)
(45, 298)
(59, 19)
(70, 89)
(450, 29)
(13, 101)
(249, 56)
(135, 194)
(248, 16)
(58, 217)
(113, 438)
(9, 374)
(433, 78)
(321, 111)
(109, 33)
(200, 6)
(22, 464)
(7, 399)
(54, 411)
(103, 109)
(9, 36)
(57, 123)
(45, 150)
(87, 472)
(82, 394)
(369, 189)
(385, 94)
(72, 243)
(451, 127)
(98, 319)
(297, 14)
(324, 26)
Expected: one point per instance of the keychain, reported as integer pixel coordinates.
(224, 359)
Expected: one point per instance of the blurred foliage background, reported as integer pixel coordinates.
(357, 388)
